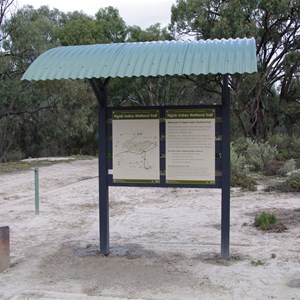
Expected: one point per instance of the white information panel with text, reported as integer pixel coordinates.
(190, 146)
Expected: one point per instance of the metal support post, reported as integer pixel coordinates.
(36, 191)
(101, 94)
(225, 214)
(103, 188)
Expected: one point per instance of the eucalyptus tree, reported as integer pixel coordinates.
(77, 29)
(269, 100)
(53, 117)
(6, 8)
(111, 27)
(35, 117)
(153, 33)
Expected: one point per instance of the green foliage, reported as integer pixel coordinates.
(69, 127)
(42, 118)
(288, 167)
(152, 33)
(288, 145)
(235, 21)
(260, 105)
(81, 29)
(77, 30)
(290, 185)
(274, 167)
(261, 157)
(14, 155)
(260, 154)
(265, 220)
(257, 263)
(111, 26)
(27, 33)
(238, 160)
(243, 181)
(279, 167)
(31, 32)
(239, 172)
(49, 118)
(14, 166)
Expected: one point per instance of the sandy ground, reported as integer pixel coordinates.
(165, 243)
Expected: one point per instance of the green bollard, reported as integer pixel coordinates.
(36, 189)
(4, 248)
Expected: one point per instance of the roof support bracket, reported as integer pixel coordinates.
(99, 87)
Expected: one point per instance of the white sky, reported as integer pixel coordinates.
(134, 12)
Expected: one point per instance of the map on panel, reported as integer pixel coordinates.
(133, 150)
(135, 146)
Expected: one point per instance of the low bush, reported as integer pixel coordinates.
(265, 220)
(243, 181)
(238, 160)
(291, 184)
(239, 171)
(273, 167)
(259, 155)
(288, 146)
(279, 167)
(14, 155)
(288, 167)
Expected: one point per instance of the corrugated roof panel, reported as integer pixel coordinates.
(145, 59)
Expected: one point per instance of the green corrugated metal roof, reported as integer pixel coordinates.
(145, 59)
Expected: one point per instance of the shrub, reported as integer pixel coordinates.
(260, 154)
(14, 155)
(238, 161)
(288, 146)
(244, 181)
(297, 161)
(291, 184)
(273, 167)
(239, 176)
(265, 220)
(281, 168)
(288, 167)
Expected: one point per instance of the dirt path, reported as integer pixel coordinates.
(165, 243)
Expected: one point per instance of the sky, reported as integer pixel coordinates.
(134, 12)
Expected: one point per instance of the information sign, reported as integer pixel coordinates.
(135, 140)
(190, 146)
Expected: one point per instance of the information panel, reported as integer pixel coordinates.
(135, 140)
(190, 146)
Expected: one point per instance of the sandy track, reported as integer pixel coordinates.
(165, 243)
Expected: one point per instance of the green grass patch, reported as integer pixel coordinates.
(264, 221)
(257, 263)
(14, 166)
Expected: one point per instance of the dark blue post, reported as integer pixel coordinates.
(103, 187)
(225, 214)
(101, 94)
